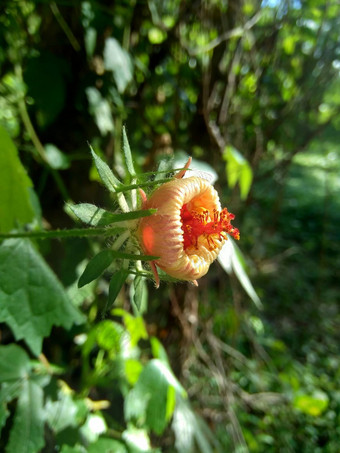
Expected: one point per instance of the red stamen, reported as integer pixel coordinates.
(196, 224)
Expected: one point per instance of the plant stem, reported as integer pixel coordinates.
(55, 234)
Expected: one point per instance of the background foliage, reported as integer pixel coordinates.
(250, 88)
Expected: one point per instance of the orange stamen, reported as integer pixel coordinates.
(198, 222)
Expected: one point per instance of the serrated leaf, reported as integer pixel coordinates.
(105, 173)
(231, 260)
(32, 299)
(127, 154)
(116, 283)
(27, 434)
(61, 413)
(14, 363)
(95, 267)
(15, 202)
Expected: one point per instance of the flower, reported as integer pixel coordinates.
(188, 230)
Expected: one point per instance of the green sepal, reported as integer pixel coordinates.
(127, 155)
(109, 179)
(94, 216)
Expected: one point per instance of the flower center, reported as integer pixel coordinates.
(198, 222)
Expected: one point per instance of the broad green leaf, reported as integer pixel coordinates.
(127, 154)
(4, 412)
(106, 445)
(133, 369)
(65, 411)
(27, 433)
(148, 400)
(76, 449)
(116, 283)
(238, 170)
(14, 363)
(93, 427)
(117, 60)
(15, 202)
(32, 300)
(137, 440)
(313, 405)
(94, 216)
(95, 267)
(158, 351)
(106, 175)
(232, 260)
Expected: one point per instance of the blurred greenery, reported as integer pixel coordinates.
(248, 361)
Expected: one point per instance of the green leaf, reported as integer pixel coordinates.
(91, 214)
(313, 405)
(14, 363)
(232, 260)
(117, 60)
(148, 400)
(134, 325)
(116, 283)
(101, 110)
(106, 175)
(138, 440)
(104, 445)
(32, 300)
(133, 369)
(127, 154)
(94, 216)
(76, 449)
(4, 412)
(27, 434)
(238, 170)
(102, 261)
(15, 202)
(109, 336)
(55, 158)
(140, 295)
(63, 408)
(158, 351)
(95, 267)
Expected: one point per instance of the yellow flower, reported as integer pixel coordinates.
(188, 230)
